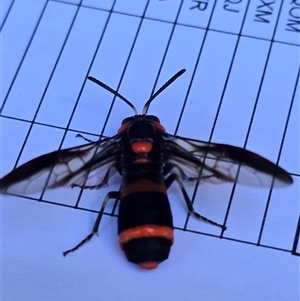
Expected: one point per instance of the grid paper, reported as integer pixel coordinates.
(241, 88)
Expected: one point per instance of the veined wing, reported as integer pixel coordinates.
(83, 165)
(219, 163)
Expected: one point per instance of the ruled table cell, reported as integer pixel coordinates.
(38, 64)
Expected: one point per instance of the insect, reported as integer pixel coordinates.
(149, 161)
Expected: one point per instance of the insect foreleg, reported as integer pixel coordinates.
(174, 177)
(84, 138)
(110, 195)
(109, 173)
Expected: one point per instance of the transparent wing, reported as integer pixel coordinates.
(83, 165)
(219, 163)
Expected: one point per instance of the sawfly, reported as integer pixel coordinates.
(149, 161)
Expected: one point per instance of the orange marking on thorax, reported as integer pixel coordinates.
(141, 147)
(142, 160)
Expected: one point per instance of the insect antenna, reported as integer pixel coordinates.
(113, 92)
(168, 83)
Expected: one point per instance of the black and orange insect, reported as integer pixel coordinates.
(149, 161)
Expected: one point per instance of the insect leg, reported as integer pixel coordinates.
(84, 138)
(110, 195)
(109, 173)
(174, 177)
(168, 168)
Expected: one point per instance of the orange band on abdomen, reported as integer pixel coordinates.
(141, 186)
(144, 232)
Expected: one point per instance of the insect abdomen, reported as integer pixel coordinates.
(145, 224)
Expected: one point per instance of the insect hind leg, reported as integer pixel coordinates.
(174, 177)
(110, 195)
